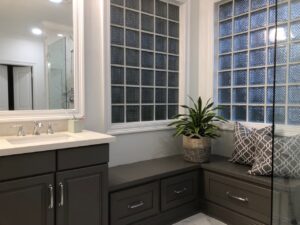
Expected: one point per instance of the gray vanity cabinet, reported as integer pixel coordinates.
(28, 201)
(81, 196)
(63, 187)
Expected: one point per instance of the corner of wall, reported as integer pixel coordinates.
(94, 81)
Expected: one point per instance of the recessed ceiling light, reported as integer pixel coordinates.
(36, 31)
(60, 35)
(56, 1)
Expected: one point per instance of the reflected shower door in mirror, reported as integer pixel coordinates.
(36, 55)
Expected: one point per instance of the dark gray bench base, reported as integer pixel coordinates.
(175, 188)
(235, 197)
(218, 183)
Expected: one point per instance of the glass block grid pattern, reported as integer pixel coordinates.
(144, 60)
(246, 63)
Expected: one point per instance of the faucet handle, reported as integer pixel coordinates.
(21, 131)
(50, 128)
(38, 124)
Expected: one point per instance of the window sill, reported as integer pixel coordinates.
(119, 129)
(280, 130)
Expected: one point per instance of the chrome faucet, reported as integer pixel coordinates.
(21, 131)
(50, 128)
(36, 129)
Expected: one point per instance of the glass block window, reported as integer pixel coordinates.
(246, 61)
(144, 60)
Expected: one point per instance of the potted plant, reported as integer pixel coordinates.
(198, 127)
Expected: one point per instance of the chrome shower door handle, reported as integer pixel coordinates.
(51, 205)
(61, 187)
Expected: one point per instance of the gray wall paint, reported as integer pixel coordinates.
(143, 146)
(224, 145)
(93, 82)
(193, 89)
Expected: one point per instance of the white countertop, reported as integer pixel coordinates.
(60, 140)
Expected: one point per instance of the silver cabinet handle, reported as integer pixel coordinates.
(51, 205)
(178, 192)
(61, 187)
(245, 200)
(137, 205)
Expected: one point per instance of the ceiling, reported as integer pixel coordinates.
(18, 17)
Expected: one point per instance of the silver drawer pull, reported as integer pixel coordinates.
(137, 205)
(61, 203)
(178, 192)
(51, 205)
(236, 197)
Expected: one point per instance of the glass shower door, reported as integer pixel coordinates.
(57, 74)
(285, 95)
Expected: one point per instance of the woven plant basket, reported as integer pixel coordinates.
(196, 150)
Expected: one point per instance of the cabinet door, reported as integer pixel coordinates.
(82, 196)
(27, 201)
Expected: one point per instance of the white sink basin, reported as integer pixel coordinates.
(39, 139)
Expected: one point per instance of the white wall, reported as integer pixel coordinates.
(224, 144)
(137, 146)
(194, 50)
(19, 50)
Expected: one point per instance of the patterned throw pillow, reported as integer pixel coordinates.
(262, 165)
(287, 156)
(244, 143)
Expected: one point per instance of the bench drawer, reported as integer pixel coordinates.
(242, 197)
(134, 204)
(178, 190)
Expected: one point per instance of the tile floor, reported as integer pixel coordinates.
(200, 219)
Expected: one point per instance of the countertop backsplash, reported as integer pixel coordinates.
(9, 129)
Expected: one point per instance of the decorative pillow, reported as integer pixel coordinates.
(263, 154)
(244, 145)
(287, 156)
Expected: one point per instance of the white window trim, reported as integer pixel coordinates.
(207, 68)
(184, 46)
(280, 130)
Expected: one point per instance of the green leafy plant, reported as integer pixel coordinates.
(200, 121)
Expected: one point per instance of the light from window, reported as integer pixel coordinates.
(245, 64)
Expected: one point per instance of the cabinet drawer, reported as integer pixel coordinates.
(134, 204)
(179, 190)
(18, 166)
(242, 197)
(82, 156)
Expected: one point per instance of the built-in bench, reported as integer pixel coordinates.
(235, 197)
(155, 192)
(219, 173)
(166, 190)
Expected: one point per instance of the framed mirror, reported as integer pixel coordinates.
(41, 59)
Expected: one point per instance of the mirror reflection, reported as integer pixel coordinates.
(36, 55)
